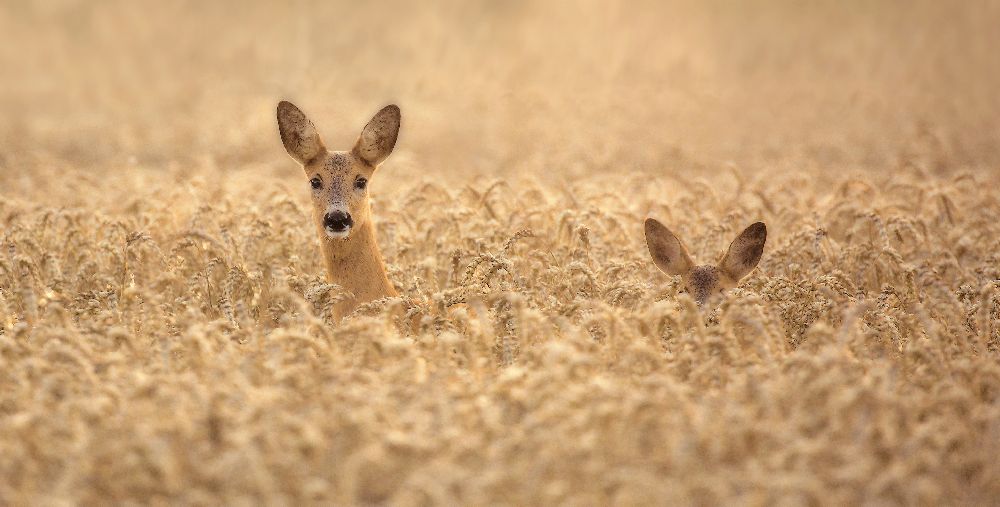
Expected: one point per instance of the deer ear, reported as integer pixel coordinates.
(298, 134)
(379, 136)
(666, 250)
(744, 252)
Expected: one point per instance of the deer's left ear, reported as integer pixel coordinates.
(379, 136)
(744, 252)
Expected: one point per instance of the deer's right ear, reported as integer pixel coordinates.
(298, 134)
(666, 250)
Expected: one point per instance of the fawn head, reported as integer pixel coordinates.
(703, 282)
(338, 180)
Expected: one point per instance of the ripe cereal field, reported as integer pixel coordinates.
(165, 326)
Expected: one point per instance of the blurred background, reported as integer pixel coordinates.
(554, 89)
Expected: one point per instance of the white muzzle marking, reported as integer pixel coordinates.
(332, 233)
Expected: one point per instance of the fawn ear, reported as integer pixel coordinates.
(666, 250)
(379, 136)
(744, 252)
(298, 134)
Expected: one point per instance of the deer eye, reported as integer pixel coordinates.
(316, 183)
(360, 183)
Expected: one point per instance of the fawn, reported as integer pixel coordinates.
(702, 282)
(338, 183)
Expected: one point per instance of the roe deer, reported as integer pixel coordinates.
(338, 183)
(702, 282)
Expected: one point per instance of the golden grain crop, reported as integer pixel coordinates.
(165, 334)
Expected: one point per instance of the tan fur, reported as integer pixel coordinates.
(353, 260)
(672, 258)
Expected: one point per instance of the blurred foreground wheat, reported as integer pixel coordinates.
(186, 354)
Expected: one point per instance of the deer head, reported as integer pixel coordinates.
(702, 282)
(338, 180)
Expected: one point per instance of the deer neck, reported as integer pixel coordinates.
(355, 264)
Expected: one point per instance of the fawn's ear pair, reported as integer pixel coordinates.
(672, 258)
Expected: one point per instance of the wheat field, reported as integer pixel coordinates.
(165, 327)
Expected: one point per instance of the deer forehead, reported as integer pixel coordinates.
(338, 163)
(703, 276)
(701, 280)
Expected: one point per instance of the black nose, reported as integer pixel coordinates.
(337, 221)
